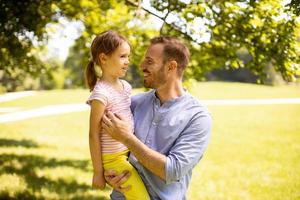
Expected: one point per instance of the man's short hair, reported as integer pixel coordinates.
(173, 49)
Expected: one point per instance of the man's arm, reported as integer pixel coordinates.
(189, 147)
(149, 158)
(118, 129)
(183, 155)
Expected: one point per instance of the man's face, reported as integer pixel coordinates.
(153, 67)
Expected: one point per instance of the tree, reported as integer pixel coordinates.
(23, 34)
(294, 5)
(22, 25)
(267, 30)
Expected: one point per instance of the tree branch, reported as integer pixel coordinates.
(172, 26)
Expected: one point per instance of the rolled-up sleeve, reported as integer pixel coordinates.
(188, 148)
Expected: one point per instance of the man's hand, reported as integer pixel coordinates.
(116, 127)
(116, 181)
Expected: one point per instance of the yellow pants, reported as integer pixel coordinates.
(118, 162)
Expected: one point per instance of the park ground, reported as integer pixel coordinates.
(253, 153)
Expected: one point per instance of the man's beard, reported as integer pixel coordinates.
(147, 85)
(158, 79)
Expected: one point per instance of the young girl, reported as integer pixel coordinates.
(111, 52)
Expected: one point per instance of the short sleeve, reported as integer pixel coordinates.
(99, 94)
(127, 87)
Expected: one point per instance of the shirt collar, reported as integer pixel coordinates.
(170, 102)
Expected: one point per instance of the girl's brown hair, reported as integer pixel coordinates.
(106, 42)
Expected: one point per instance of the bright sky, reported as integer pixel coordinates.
(62, 37)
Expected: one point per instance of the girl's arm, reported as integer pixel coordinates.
(97, 111)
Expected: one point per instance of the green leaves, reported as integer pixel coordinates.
(266, 29)
(220, 34)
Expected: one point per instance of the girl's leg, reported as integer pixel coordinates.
(120, 163)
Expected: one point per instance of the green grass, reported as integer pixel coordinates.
(48, 98)
(253, 153)
(48, 157)
(226, 90)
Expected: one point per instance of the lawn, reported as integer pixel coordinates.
(253, 153)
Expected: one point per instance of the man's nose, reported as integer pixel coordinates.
(142, 65)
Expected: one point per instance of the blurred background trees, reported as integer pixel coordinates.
(250, 41)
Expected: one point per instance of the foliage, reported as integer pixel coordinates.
(295, 6)
(22, 28)
(266, 30)
(230, 34)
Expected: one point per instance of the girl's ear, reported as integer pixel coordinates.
(102, 58)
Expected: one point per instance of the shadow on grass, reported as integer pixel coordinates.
(28, 196)
(25, 168)
(22, 195)
(18, 143)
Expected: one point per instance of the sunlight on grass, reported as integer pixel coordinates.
(12, 184)
(53, 156)
(49, 98)
(226, 90)
(253, 153)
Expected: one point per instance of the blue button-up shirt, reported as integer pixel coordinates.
(179, 129)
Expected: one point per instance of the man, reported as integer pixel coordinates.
(171, 129)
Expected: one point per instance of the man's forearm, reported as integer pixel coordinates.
(152, 160)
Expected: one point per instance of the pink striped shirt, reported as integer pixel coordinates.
(117, 102)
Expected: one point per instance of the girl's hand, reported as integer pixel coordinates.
(98, 181)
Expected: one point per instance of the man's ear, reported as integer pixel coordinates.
(172, 65)
(102, 58)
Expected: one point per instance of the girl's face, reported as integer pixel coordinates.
(116, 64)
